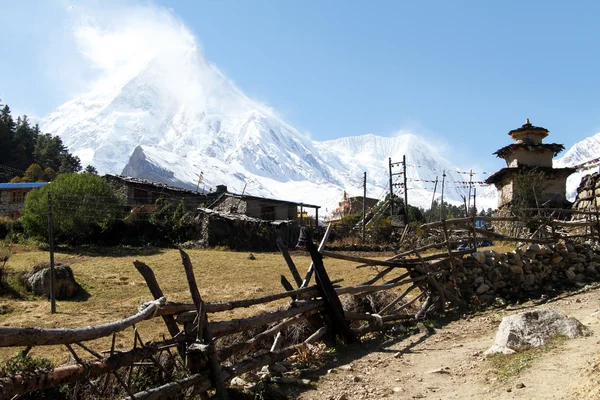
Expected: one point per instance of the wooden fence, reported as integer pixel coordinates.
(193, 332)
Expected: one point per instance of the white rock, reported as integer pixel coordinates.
(534, 328)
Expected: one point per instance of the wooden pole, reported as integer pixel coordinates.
(442, 203)
(470, 188)
(51, 247)
(433, 199)
(405, 191)
(213, 357)
(157, 293)
(289, 261)
(364, 225)
(391, 191)
(321, 247)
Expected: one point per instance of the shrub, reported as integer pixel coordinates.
(83, 205)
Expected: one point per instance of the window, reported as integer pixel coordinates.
(17, 197)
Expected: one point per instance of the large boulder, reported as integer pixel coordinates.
(38, 280)
(534, 328)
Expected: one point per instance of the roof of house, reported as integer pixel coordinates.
(248, 197)
(22, 185)
(147, 182)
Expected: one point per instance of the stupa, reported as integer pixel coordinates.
(528, 153)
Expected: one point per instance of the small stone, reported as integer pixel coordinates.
(517, 270)
(397, 389)
(508, 390)
(520, 385)
(570, 275)
(354, 378)
(438, 371)
(482, 288)
(556, 259)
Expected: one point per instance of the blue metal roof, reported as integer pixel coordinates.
(22, 185)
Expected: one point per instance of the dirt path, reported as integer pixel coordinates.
(448, 363)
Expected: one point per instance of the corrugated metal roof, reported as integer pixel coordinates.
(22, 185)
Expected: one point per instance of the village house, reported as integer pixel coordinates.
(261, 207)
(527, 154)
(351, 205)
(139, 192)
(12, 197)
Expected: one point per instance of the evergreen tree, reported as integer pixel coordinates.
(90, 169)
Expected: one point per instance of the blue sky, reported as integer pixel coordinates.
(462, 73)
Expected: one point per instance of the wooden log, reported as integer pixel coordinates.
(425, 307)
(381, 275)
(10, 336)
(396, 300)
(499, 236)
(40, 380)
(321, 248)
(241, 324)
(172, 308)
(368, 261)
(213, 357)
(289, 261)
(157, 293)
(251, 344)
(201, 381)
(333, 306)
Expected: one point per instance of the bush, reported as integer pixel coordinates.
(83, 206)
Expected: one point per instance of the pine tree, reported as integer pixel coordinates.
(90, 169)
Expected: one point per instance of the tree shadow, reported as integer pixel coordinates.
(111, 251)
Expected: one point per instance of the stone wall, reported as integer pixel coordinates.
(485, 276)
(588, 193)
(8, 209)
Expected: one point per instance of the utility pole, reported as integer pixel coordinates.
(470, 188)
(405, 191)
(364, 225)
(51, 247)
(432, 200)
(391, 192)
(442, 204)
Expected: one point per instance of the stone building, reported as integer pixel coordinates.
(529, 154)
(261, 207)
(12, 197)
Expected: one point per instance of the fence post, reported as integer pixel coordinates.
(51, 247)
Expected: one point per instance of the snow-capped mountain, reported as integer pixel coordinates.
(586, 150)
(173, 118)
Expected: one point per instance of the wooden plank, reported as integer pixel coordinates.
(157, 293)
(321, 248)
(289, 261)
(213, 357)
(333, 306)
(10, 336)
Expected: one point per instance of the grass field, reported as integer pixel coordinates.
(114, 289)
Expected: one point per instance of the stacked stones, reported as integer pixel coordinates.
(487, 275)
(588, 193)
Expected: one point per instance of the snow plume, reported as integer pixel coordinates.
(119, 43)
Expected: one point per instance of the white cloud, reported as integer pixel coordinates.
(104, 44)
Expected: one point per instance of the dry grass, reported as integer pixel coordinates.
(115, 288)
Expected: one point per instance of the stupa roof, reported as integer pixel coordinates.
(527, 129)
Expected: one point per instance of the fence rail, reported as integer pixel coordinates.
(193, 332)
